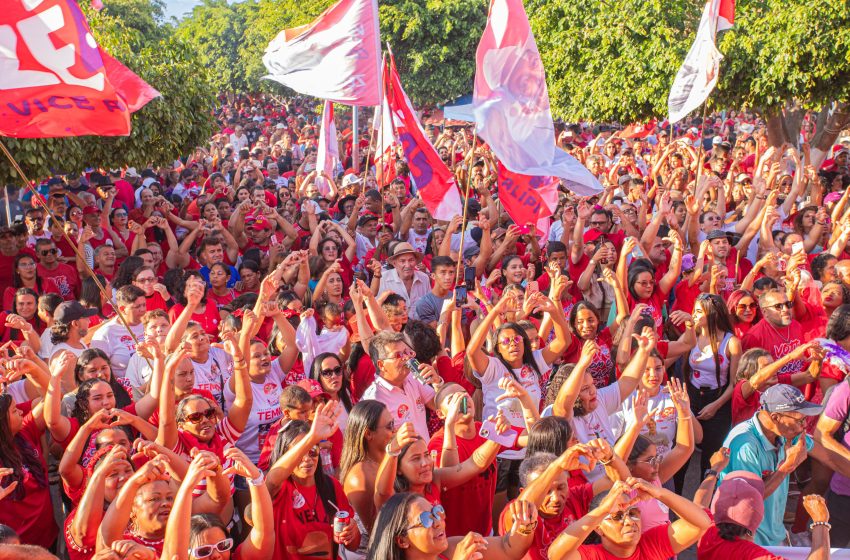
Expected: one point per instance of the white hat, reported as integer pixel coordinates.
(280, 125)
(350, 179)
(131, 172)
(148, 182)
(747, 128)
(716, 140)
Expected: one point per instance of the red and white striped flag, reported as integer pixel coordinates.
(327, 155)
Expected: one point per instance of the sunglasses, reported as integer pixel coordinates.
(150, 280)
(510, 340)
(654, 460)
(333, 372)
(196, 417)
(206, 549)
(403, 355)
(779, 306)
(620, 516)
(428, 518)
(745, 306)
(46, 252)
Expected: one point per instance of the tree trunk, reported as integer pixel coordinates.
(792, 123)
(776, 133)
(830, 122)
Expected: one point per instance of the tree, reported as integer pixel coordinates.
(616, 59)
(162, 131)
(216, 29)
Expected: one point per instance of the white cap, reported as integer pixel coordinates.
(131, 172)
(350, 179)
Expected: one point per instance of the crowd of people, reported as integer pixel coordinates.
(243, 356)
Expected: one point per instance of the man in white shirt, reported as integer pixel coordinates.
(395, 384)
(238, 139)
(404, 279)
(113, 337)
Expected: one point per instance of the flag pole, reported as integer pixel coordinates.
(39, 202)
(466, 204)
(8, 207)
(355, 148)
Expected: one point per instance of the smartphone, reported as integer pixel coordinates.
(469, 278)
(797, 248)
(524, 230)
(488, 431)
(460, 296)
(464, 405)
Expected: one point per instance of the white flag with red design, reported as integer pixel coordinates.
(697, 77)
(336, 57)
(327, 155)
(511, 102)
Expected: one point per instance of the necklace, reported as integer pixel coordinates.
(786, 338)
(147, 542)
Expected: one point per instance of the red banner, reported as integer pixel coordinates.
(528, 200)
(54, 78)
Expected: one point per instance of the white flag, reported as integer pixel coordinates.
(327, 156)
(337, 57)
(698, 75)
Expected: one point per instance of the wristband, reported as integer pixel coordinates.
(259, 481)
(526, 529)
(390, 452)
(709, 472)
(821, 524)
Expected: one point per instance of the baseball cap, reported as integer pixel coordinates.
(365, 219)
(716, 140)
(688, 261)
(261, 223)
(131, 172)
(740, 500)
(88, 210)
(787, 398)
(68, 311)
(741, 177)
(314, 388)
(716, 234)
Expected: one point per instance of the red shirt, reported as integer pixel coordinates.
(208, 317)
(468, 506)
(548, 528)
(712, 547)
(653, 545)
(156, 301)
(602, 366)
(655, 302)
(63, 280)
(32, 516)
(304, 529)
(779, 341)
(265, 461)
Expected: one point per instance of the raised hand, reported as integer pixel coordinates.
(5, 491)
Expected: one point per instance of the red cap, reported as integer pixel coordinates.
(314, 388)
(88, 210)
(261, 223)
(740, 500)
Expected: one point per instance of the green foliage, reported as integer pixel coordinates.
(434, 44)
(434, 41)
(616, 59)
(162, 130)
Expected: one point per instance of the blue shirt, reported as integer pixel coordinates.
(750, 450)
(234, 276)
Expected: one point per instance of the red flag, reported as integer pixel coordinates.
(55, 80)
(527, 199)
(725, 14)
(435, 183)
(637, 130)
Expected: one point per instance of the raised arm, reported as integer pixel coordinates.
(58, 425)
(569, 391)
(474, 349)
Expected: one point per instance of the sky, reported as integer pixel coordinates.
(178, 8)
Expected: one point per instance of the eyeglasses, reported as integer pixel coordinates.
(196, 417)
(403, 355)
(510, 341)
(620, 516)
(598, 224)
(779, 306)
(745, 306)
(149, 280)
(655, 460)
(313, 453)
(120, 214)
(206, 549)
(46, 252)
(428, 518)
(645, 283)
(799, 421)
(333, 372)
(26, 265)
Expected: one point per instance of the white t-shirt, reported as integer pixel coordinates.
(65, 346)
(46, 345)
(214, 374)
(510, 407)
(362, 245)
(138, 374)
(114, 339)
(661, 429)
(265, 411)
(597, 424)
(418, 241)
